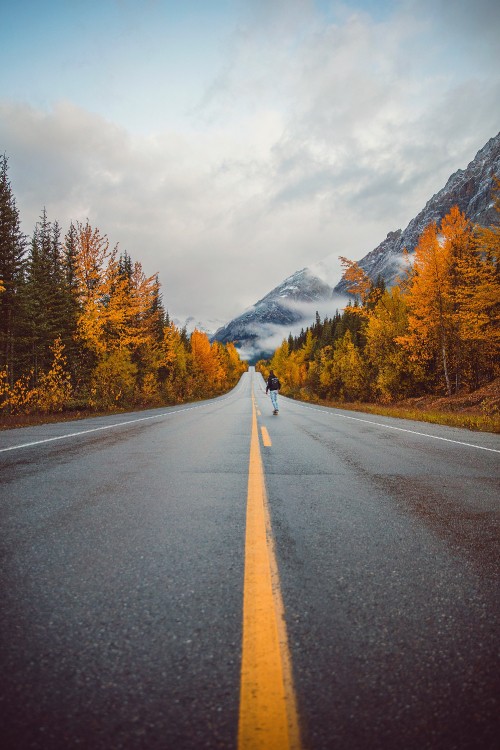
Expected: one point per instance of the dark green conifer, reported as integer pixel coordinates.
(12, 252)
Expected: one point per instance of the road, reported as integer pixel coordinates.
(132, 615)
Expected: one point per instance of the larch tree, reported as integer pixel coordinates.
(394, 374)
(92, 255)
(453, 301)
(480, 296)
(173, 370)
(430, 321)
(358, 283)
(207, 369)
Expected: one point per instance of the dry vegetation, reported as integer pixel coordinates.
(479, 410)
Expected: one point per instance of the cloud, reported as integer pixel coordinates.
(316, 136)
(198, 210)
(269, 336)
(472, 26)
(189, 207)
(372, 129)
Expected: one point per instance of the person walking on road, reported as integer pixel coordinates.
(273, 386)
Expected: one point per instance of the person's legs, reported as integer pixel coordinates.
(274, 399)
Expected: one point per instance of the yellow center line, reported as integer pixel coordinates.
(266, 439)
(268, 714)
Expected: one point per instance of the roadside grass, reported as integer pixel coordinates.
(13, 421)
(477, 410)
(477, 422)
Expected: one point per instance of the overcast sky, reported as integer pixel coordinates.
(228, 143)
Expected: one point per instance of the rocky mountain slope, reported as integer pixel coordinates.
(283, 306)
(469, 189)
(291, 303)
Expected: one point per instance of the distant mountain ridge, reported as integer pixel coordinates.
(469, 189)
(281, 307)
(290, 303)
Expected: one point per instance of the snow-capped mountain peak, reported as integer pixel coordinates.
(291, 304)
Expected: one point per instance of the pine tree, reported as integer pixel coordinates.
(71, 303)
(12, 255)
(45, 294)
(156, 314)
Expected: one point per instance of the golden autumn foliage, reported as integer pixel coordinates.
(394, 373)
(20, 397)
(113, 381)
(453, 303)
(342, 370)
(206, 363)
(141, 359)
(51, 393)
(54, 388)
(124, 350)
(360, 285)
(115, 304)
(437, 332)
(358, 282)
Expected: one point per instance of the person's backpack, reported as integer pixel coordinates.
(274, 384)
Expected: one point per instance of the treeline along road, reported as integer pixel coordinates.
(212, 576)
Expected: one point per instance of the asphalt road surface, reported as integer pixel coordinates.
(123, 575)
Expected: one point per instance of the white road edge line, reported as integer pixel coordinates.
(401, 429)
(97, 429)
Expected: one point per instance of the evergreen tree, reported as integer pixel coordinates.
(45, 294)
(12, 252)
(158, 316)
(70, 302)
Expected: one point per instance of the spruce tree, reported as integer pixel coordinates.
(12, 251)
(46, 297)
(157, 313)
(73, 349)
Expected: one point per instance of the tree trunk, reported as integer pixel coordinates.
(445, 368)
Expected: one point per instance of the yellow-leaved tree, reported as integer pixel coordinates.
(51, 393)
(54, 388)
(453, 303)
(342, 370)
(207, 369)
(395, 375)
(92, 255)
(431, 332)
(173, 371)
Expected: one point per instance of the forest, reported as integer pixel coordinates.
(436, 331)
(83, 328)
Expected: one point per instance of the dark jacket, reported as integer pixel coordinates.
(273, 384)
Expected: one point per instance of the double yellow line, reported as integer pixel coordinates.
(268, 712)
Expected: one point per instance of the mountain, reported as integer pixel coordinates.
(207, 326)
(254, 331)
(261, 328)
(469, 189)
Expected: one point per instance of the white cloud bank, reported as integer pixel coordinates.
(317, 136)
